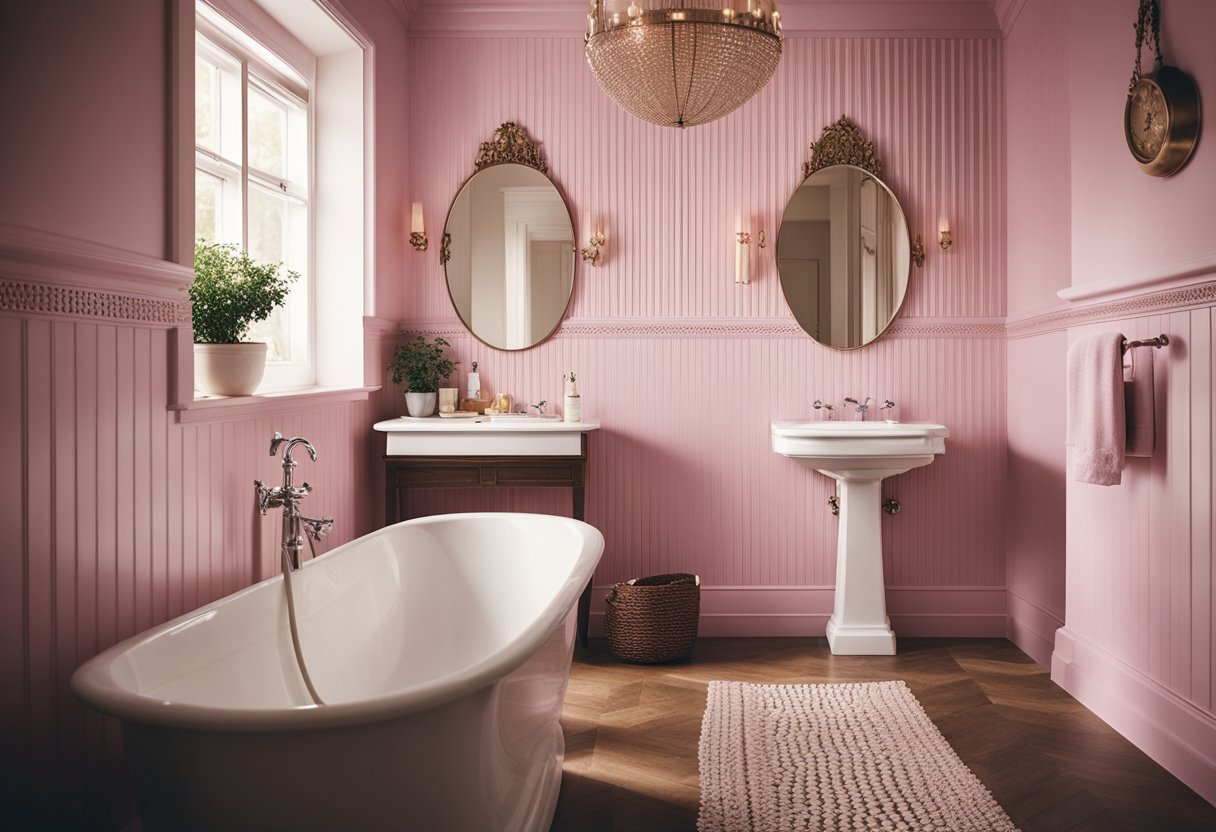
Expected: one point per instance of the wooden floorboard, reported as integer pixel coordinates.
(632, 733)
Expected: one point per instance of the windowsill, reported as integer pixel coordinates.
(225, 409)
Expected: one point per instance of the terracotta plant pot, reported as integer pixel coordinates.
(420, 404)
(229, 369)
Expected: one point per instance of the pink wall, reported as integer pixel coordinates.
(685, 369)
(117, 516)
(1137, 645)
(1127, 224)
(1039, 265)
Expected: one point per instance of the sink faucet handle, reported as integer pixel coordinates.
(275, 442)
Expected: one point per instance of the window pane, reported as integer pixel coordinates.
(270, 217)
(267, 129)
(206, 206)
(204, 103)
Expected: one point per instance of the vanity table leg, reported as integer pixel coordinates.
(584, 600)
(392, 496)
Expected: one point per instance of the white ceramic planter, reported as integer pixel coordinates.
(420, 404)
(229, 369)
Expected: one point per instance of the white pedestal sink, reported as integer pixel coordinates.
(859, 456)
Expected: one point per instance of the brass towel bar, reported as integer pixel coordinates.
(1156, 343)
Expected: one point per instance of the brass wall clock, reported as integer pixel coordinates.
(1161, 118)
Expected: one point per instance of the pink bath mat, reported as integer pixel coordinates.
(831, 758)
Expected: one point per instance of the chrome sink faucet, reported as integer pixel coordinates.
(288, 497)
(860, 407)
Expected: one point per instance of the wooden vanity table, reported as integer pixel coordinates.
(480, 453)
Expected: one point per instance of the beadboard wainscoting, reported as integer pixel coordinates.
(122, 512)
(686, 369)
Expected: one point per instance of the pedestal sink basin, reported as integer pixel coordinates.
(859, 456)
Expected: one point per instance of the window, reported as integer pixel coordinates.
(251, 178)
(282, 157)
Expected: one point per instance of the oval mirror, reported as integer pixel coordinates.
(509, 244)
(843, 255)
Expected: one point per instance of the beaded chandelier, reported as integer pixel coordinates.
(679, 64)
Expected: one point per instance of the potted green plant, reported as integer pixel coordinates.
(421, 366)
(231, 291)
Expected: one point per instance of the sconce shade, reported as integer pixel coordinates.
(680, 67)
(416, 224)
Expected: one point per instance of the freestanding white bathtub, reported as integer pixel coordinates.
(442, 648)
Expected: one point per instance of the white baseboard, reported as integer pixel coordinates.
(1174, 732)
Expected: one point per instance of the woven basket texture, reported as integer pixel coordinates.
(653, 619)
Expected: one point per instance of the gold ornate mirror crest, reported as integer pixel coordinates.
(842, 143)
(511, 144)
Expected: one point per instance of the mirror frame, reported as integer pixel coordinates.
(510, 145)
(842, 143)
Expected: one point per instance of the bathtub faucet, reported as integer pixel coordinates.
(288, 497)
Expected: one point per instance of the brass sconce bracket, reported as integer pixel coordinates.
(418, 240)
(591, 254)
(945, 240)
(918, 252)
(445, 249)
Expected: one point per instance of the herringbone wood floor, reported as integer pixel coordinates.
(632, 733)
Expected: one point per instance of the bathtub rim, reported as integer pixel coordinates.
(94, 682)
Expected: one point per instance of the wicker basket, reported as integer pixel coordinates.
(653, 619)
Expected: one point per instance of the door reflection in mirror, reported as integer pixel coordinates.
(843, 256)
(511, 270)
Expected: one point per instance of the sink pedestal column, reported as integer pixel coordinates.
(859, 625)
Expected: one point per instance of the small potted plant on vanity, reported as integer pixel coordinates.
(421, 366)
(230, 292)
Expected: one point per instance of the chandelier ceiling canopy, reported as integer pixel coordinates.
(680, 64)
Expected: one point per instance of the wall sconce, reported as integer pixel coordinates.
(417, 229)
(743, 260)
(591, 254)
(918, 252)
(943, 227)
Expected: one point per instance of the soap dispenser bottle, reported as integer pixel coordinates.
(573, 411)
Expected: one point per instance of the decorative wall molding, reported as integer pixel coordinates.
(1171, 730)
(1154, 303)
(1171, 276)
(1032, 627)
(734, 327)
(1007, 12)
(73, 302)
(931, 611)
(44, 257)
(42, 273)
(964, 18)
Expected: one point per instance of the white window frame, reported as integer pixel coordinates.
(339, 59)
(254, 63)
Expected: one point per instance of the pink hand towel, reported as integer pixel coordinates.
(1138, 396)
(1097, 425)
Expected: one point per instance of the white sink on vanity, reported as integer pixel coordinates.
(487, 452)
(859, 456)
